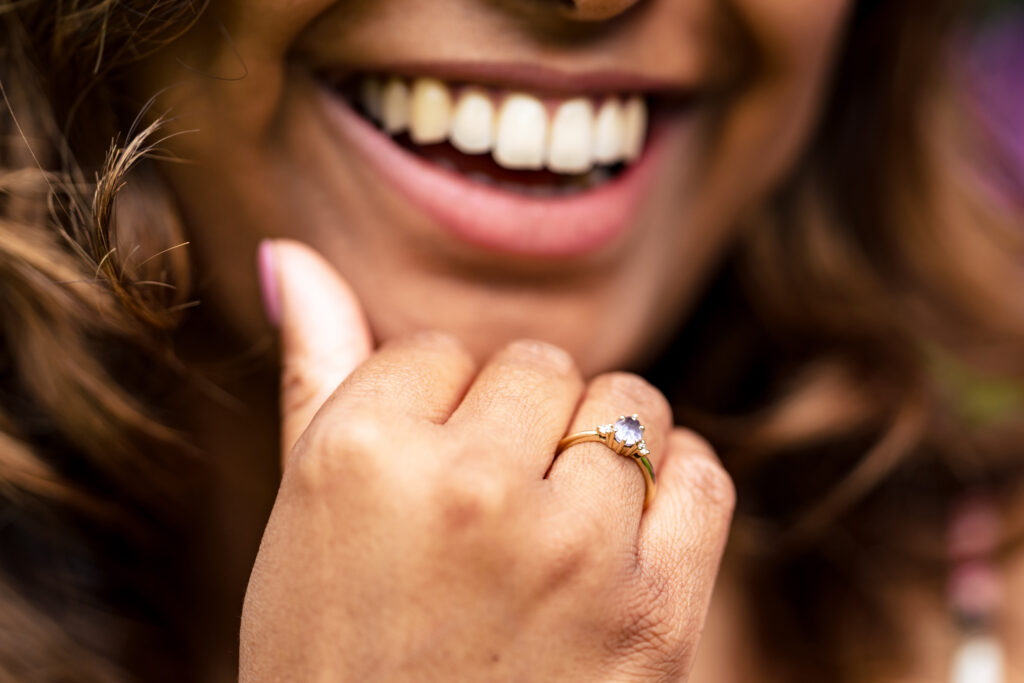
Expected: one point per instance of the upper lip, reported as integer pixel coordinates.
(525, 76)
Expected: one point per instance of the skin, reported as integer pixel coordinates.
(389, 433)
(260, 162)
(387, 557)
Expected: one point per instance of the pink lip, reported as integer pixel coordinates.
(498, 220)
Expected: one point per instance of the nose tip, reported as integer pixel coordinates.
(596, 10)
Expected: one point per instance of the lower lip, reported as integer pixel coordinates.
(498, 220)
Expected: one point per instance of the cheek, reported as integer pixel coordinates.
(224, 79)
(793, 35)
(265, 27)
(766, 122)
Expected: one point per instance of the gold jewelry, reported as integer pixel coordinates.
(625, 437)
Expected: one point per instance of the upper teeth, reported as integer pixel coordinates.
(519, 130)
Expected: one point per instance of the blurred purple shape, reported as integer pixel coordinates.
(995, 68)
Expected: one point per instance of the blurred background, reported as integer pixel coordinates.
(996, 74)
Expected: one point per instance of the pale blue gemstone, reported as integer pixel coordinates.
(628, 432)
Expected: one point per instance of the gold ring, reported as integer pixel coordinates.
(626, 438)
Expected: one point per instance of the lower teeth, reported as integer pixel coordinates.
(569, 186)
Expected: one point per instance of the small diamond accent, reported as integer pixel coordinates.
(604, 430)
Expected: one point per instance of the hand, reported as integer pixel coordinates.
(416, 538)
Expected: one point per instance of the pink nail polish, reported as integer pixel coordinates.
(269, 289)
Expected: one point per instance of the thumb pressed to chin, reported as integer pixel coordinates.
(324, 333)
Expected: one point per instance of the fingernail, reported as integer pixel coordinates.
(269, 289)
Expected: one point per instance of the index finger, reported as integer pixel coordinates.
(324, 334)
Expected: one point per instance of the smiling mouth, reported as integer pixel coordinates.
(556, 172)
(517, 141)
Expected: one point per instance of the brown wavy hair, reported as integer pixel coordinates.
(92, 477)
(856, 361)
(859, 361)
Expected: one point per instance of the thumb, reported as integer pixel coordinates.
(324, 334)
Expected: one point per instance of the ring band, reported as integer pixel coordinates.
(625, 437)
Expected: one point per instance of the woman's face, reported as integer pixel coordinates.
(567, 171)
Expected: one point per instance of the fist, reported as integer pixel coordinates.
(425, 529)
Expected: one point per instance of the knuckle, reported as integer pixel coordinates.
(312, 469)
(540, 356)
(358, 431)
(430, 339)
(706, 475)
(688, 441)
(562, 558)
(335, 451)
(562, 564)
(468, 500)
(432, 343)
(569, 552)
(627, 389)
